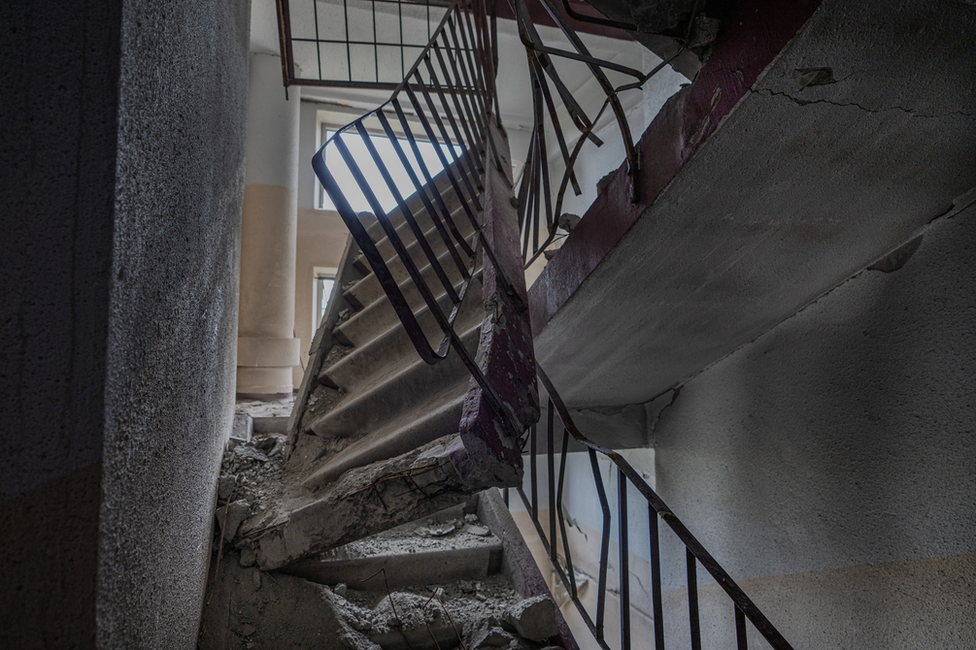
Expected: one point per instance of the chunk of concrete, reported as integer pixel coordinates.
(243, 430)
(230, 517)
(225, 487)
(532, 618)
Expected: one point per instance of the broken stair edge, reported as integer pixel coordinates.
(370, 499)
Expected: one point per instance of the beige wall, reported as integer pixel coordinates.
(321, 240)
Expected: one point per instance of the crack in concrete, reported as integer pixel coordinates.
(766, 92)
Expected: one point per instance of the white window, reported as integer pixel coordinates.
(370, 171)
(323, 285)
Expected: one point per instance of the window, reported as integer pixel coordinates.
(364, 161)
(322, 287)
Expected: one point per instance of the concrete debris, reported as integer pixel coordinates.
(271, 445)
(247, 557)
(243, 430)
(568, 221)
(250, 453)
(441, 531)
(259, 409)
(480, 531)
(532, 618)
(471, 518)
(225, 487)
(230, 517)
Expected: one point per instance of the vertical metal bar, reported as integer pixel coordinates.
(624, 564)
(408, 215)
(551, 457)
(471, 192)
(601, 595)
(428, 178)
(419, 189)
(533, 476)
(345, 14)
(318, 46)
(656, 578)
(466, 159)
(460, 83)
(376, 47)
(693, 621)
(403, 64)
(741, 642)
(451, 176)
(559, 511)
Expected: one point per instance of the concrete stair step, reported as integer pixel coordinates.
(419, 211)
(425, 422)
(393, 349)
(379, 316)
(390, 396)
(407, 556)
(369, 288)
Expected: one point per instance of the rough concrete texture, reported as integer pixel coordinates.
(172, 324)
(247, 608)
(804, 183)
(841, 439)
(59, 84)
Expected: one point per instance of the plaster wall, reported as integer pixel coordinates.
(828, 464)
(172, 322)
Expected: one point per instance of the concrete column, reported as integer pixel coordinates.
(267, 348)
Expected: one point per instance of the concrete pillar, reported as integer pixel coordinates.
(267, 348)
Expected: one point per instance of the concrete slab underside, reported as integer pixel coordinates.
(798, 189)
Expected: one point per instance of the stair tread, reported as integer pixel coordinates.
(390, 352)
(440, 415)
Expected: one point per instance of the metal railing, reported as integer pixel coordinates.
(354, 43)
(537, 203)
(628, 479)
(449, 95)
(448, 100)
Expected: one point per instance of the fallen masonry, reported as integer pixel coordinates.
(440, 582)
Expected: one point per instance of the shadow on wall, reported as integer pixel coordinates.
(843, 438)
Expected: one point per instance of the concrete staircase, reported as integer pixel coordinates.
(378, 437)
(459, 577)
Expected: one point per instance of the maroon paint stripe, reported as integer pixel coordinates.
(757, 31)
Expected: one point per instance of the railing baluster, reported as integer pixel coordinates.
(533, 474)
(741, 642)
(428, 178)
(656, 579)
(551, 458)
(601, 602)
(408, 215)
(623, 570)
(419, 189)
(693, 622)
(562, 520)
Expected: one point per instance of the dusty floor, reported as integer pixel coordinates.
(249, 609)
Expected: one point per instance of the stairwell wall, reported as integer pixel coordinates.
(828, 465)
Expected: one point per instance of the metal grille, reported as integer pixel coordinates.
(354, 43)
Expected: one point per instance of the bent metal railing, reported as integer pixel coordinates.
(449, 97)
(627, 478)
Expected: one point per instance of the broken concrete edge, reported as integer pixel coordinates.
(753, 38)
(505, 352)
(517, 561)
(321, 344)
(363, 501)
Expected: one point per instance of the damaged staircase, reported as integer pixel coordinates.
(421, 381)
